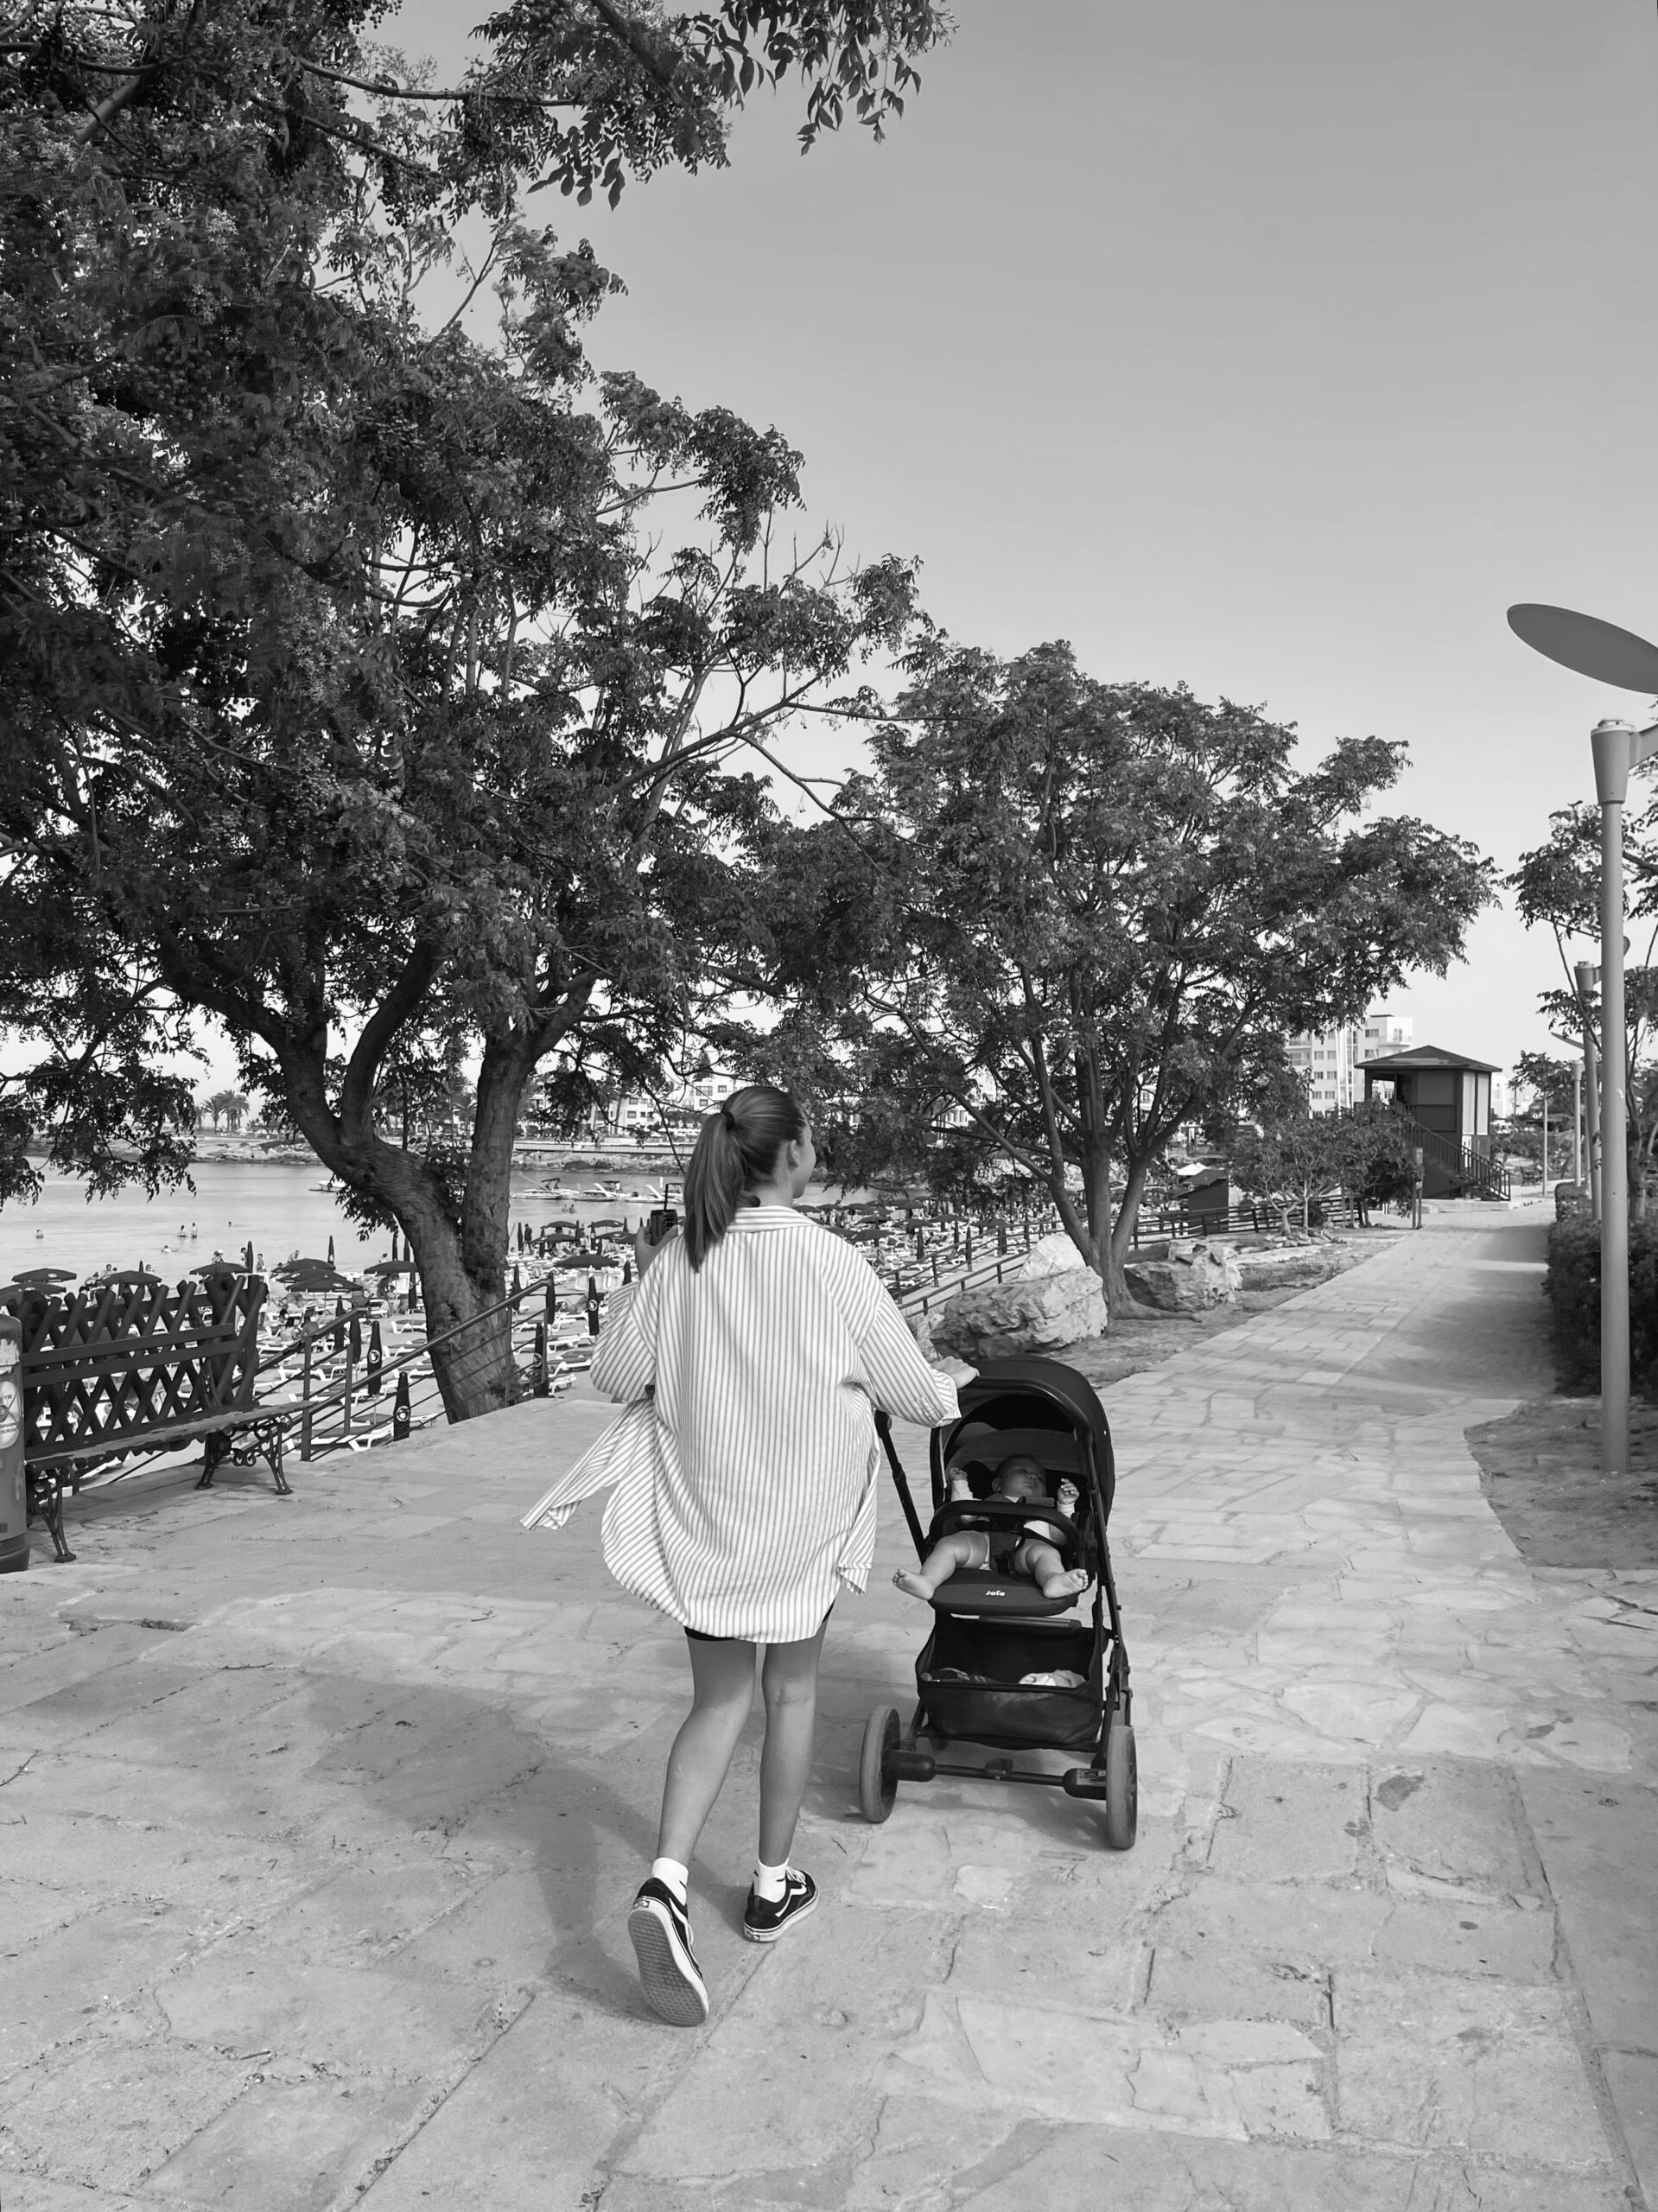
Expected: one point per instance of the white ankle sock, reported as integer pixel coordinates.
(670, 1872)
(769, 1882)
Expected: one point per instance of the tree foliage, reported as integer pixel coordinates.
(1085, 914)
(1365, 1152)
(379, 688)
(1557, 887)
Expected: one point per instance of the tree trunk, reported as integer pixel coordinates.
(466, 1282)
(461, 1267)
(1121, 1243)
(474, 1366)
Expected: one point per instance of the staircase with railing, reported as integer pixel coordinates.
(1468, 1173)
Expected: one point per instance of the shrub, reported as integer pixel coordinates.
(1572, 1288)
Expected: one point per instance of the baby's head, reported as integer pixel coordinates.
(1022, 1478)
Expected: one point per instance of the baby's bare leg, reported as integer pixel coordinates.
(963, 1549)
(1045, 1567)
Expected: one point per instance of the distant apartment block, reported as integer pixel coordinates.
(1385, 1032)
(1328, 1063)
(634, 1114)
(1325, 1063)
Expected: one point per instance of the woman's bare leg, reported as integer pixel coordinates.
(788, 1679)
(723, 1696)
(963, 1549)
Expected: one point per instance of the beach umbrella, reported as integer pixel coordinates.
(551, 1290)
(517, 1278)
(339, 1324)
(102, 1279)
(375, 1356)
(627, 1271)
(312, 1278)
(331, 1260)
(247, 1256)
(355, 1337)
(42, 1276)
(401, 1418)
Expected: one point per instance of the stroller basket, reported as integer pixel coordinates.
(968, 1675)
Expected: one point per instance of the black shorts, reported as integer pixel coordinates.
(698, 1635)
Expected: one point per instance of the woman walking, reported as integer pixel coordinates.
(766, 1344)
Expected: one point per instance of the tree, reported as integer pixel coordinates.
(1557, 886)
(1086, 913)
(1551, 1081)
(1283, 1163)
(1364, 1151)
(366, 688)
(1373, 1158)
(214, 1108)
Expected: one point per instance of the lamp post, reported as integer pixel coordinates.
(1618, 656)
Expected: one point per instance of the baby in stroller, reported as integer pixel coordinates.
(1030, 1552)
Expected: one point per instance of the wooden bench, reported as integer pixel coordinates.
(129, 1365)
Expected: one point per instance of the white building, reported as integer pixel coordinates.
(1385, 1032)
(1325, 1063)
(634, 1114)
(1329, 1063)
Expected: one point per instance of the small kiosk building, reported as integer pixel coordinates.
(1448, 1096)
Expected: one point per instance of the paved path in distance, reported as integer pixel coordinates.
(319, 1819)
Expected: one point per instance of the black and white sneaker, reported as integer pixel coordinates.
(669, 1974)
(763, 1921)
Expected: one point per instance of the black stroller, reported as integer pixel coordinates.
(993, 1631)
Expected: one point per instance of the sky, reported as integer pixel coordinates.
(1274, 348)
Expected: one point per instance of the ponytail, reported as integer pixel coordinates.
(737, 1148)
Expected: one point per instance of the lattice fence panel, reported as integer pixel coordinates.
(132, 1354)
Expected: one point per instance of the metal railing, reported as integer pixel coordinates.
(1458, 1161)
(345, 1402)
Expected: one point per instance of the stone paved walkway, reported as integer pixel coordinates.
(319, 1819)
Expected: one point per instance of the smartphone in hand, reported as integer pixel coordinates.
(663, 1218)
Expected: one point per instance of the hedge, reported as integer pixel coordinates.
(1572, 1288)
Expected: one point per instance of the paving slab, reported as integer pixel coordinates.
(319, 1820)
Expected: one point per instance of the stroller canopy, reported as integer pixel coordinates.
(1015, 1394)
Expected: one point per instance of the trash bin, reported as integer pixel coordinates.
(13, 1504)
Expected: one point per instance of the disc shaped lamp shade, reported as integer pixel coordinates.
(1586, 644)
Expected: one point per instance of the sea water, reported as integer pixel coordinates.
(279, 1209)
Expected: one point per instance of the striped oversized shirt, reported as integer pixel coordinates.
(746, 1482)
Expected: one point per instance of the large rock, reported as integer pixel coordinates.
(1001, 1319)
(1193, 1277)
(1276, 1265)
(1048, 1256)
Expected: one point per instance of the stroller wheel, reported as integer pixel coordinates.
(877, 1784)
(1121, 1787)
